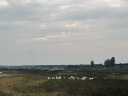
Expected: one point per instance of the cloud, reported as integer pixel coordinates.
(3, 3)
(86, 26)
(76, 25)
(117, 3)
(43, 26)
(61, 35)
(54, 10)
(71, 25)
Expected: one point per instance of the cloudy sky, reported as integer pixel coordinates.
(63, 31)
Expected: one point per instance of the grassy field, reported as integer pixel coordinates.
(106, 82)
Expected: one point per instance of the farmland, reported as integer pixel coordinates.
(105, 82)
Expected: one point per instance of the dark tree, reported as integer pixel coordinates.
(107, 63)
(92, 63)
(110, 62)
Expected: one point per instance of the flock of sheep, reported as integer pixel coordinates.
(72, 78)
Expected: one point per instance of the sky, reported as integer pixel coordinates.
(47, 32)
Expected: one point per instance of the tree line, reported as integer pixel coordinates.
(107, 63)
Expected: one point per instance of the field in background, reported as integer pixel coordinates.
(108, 82)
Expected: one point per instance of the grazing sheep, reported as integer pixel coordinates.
(58, 77)
(83, 78)
(53, 78)
(91, 78)
(49, 78)
(71, 77)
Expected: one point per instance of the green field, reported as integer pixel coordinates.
(106, 82)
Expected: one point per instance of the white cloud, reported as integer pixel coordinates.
(43, 26)
(3, 3)
(115, 3)
(71, 25)
(63, 7)
(59, 35)
(76, 25)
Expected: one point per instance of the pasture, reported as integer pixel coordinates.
(105, 82)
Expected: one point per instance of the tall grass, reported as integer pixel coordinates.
(110, 82)
(96, 87)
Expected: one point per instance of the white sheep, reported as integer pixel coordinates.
(83, 78)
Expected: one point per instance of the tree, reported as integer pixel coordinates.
(110, 62)
(92, 63)
(107, 63)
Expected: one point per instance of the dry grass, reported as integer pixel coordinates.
(25, 83)
(21, 84)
